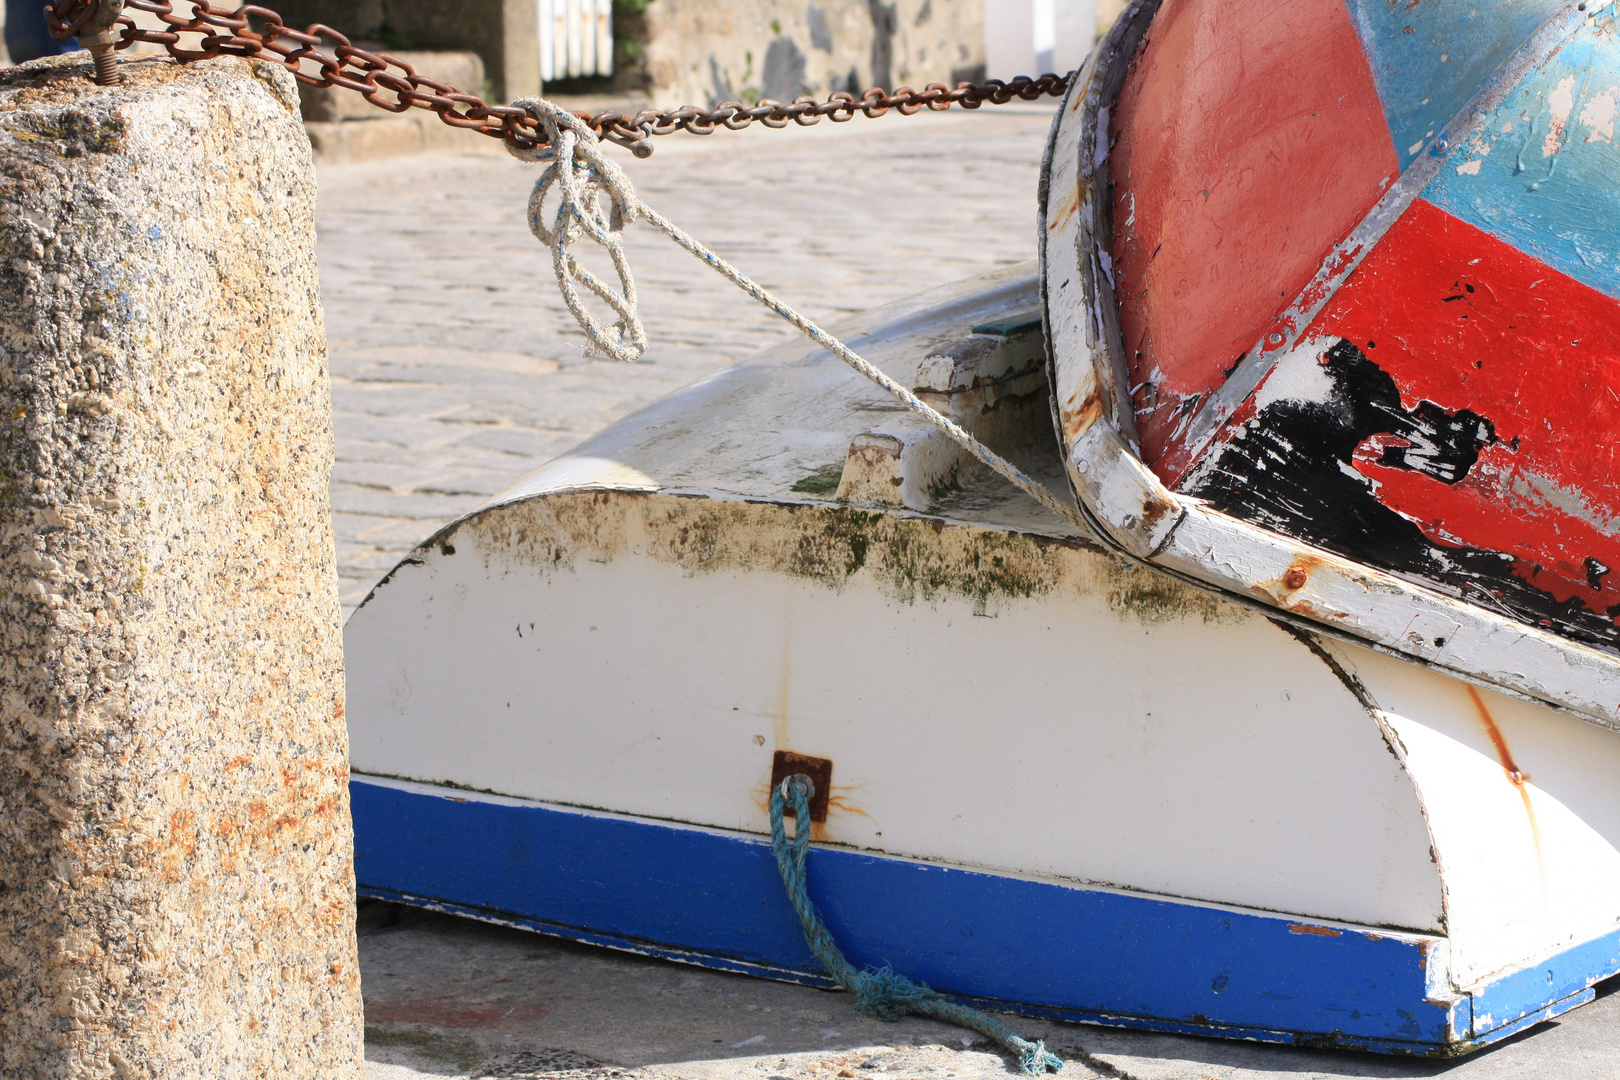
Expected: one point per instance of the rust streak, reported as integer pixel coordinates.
(780, 714)
(1070, 205)
(1520, 782)
(843, 804)
(1503, 754)
(1081, 416)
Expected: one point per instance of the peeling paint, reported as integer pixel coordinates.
(1560, 103)
(1598, 115)
(1510, 645)
(1319, 931)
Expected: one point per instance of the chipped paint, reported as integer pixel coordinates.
(1090, 364)
(1319, 931)
(1516, 505)
(1560, 103)
(1199, 420)
(1215, 117)
(1598, 116)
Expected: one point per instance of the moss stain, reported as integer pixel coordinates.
(1156, 598)
(911, 559)
(823, 481)
(463, 1054)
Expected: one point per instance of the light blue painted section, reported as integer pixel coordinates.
(1039, 948)
(1555, 195)
(1428, 58)
(1524, 997)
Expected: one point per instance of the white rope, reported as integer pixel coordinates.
(582, 174)
(581, 180)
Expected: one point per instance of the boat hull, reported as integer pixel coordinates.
(1062, 782)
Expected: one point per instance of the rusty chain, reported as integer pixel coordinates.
(393, 85)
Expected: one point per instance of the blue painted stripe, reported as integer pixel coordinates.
(1562, 982)
(1428, 59)
(713, 898)
(1557, 200)
(1028, 946)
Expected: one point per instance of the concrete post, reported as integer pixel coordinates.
(176, 886)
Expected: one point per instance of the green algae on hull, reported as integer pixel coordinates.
(910, 558)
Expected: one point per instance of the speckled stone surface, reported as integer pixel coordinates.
(176, 889)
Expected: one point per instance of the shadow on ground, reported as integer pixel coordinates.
(453, 997)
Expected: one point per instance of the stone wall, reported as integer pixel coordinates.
(176, 874)
(692, 51)
(505, 33)
(715, 50)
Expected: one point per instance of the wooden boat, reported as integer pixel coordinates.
(1310, 737)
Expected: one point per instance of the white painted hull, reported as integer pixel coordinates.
(623, 640)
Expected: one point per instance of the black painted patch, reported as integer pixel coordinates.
(1290, 470)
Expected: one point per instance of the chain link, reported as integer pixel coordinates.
(389, 83)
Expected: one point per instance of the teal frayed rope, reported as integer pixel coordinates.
(879, 992)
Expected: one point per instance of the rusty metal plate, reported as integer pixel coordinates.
(786, 763)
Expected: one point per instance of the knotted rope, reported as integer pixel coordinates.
(879, 992)
(582, 180)
(583, 176)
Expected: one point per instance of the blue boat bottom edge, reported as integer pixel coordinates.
(1055, 951)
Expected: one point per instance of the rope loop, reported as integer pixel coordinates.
(879, 992)
(583, 176)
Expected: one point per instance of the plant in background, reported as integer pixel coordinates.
(629, 45)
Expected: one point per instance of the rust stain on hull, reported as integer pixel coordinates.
(1515, 776)
(844, 804)
(780, 716)
(1070, 205)
(1080, 415)
(1519, 779)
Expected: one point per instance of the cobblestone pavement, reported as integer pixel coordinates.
(457, 369)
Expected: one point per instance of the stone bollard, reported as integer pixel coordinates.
(176, 883)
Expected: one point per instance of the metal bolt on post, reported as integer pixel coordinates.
(100, 34)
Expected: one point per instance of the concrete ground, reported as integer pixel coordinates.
(452, 997)
(456, 369)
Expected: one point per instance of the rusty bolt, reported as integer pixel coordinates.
(1296, 577)
(100, 34)
(802, 782)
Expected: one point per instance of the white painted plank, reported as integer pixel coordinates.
(575, 39)
(548, 45)
(604, 37)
